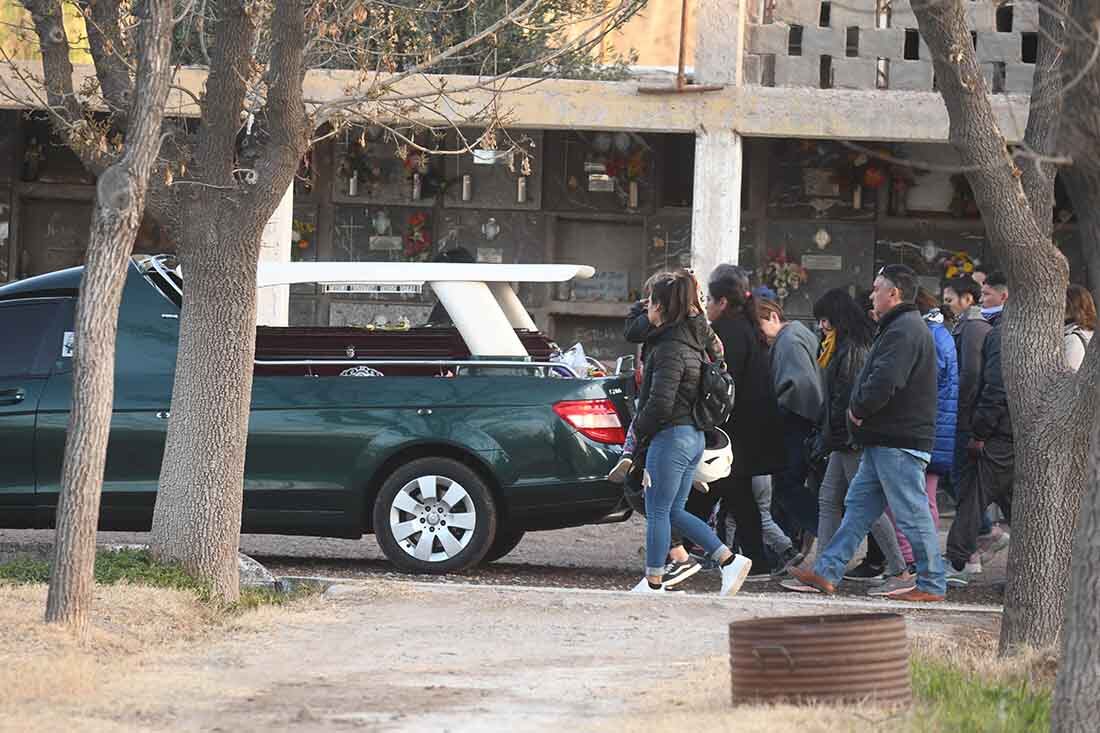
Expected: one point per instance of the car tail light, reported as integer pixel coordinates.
(594, 419)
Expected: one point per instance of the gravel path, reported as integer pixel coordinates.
(598, 556)
(410, 656)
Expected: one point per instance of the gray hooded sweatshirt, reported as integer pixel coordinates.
(799, 387)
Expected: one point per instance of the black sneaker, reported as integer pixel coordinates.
(865, 573)
(788, 560)
(678, 572)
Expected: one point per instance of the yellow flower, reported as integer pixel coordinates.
(952, 271)
(968, 267)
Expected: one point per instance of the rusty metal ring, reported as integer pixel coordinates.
(772, 647)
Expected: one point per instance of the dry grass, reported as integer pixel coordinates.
(41, 665)
(700, 699)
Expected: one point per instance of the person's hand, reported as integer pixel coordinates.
(975, 448)
(854, 420)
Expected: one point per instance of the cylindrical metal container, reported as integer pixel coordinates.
(842, 658)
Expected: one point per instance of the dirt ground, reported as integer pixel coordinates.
(407, 656)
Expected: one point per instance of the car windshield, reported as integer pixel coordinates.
(163, 273)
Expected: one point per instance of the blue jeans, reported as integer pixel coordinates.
(671, 460)
(887, 477)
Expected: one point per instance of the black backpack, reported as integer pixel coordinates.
(716, 392)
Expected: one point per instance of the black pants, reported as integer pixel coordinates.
(735, 492)
(794, 507)
(984, 480)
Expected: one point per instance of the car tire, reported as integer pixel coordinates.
(434, 516)
(505, 541)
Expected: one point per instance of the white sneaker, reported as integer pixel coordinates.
(621, 470)
(734, 574)
(974, 565)
(643, 587)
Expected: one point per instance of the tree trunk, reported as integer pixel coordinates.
(1075, 709)
(1049, 482)
(197, 519)
(120, 200)
(1049, 478)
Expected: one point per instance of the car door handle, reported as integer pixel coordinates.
(424, 411)
(12, 396)
(164, 415)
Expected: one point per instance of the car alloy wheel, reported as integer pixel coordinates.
(433, 518)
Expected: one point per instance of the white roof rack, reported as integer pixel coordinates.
(414, 273)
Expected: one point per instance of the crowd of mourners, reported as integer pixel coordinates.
(860, 431)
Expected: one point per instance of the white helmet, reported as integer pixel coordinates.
(717, 460)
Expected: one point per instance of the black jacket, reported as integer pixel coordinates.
(969, 333)
(896, 392)
(755, 428)
(637, 327)
(670, 387)
(991, 418)
(840, 379)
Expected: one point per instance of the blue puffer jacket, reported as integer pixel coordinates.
(947, 394)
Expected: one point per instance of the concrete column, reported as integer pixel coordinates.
(273, 303)
(716, 202)
(716, 208)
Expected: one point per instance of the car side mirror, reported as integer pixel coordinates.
(625, 365)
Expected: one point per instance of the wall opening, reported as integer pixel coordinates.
(1004, 18)
(826, 73)
(794, 41)
(1029, 48)
(912, 45)
(852, 42)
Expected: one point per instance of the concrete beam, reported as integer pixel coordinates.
(559, 104)
(861, 115)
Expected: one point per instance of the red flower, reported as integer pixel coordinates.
(873, 177)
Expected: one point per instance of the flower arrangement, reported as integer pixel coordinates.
(301, 238)
(357, 163)
(783, 275)
(858, 169)
(415, 161)
(418, 238)
(626, 168)
(957, 264)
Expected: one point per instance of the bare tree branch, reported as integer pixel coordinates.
(53, 41)
(1041, 135)
(230, 75)
(108, 47)
(284, 111)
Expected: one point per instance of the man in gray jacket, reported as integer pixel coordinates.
(892, 414)
(800, 395)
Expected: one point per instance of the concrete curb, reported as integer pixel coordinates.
(792, 599)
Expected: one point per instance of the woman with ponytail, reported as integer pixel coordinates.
(755, 425)
(665, 426)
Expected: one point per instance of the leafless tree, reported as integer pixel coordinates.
(123, 168)
(1053, 409)
(220, 178)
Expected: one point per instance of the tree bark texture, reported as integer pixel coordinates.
(197, 517)
(120, 197)
(1075, 707)
(1049, 468)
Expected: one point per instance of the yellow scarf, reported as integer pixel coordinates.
(828, 348)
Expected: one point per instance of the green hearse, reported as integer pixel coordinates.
(446, 442)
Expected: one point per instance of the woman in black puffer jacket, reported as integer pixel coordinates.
(665, 425)
(848, 337)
